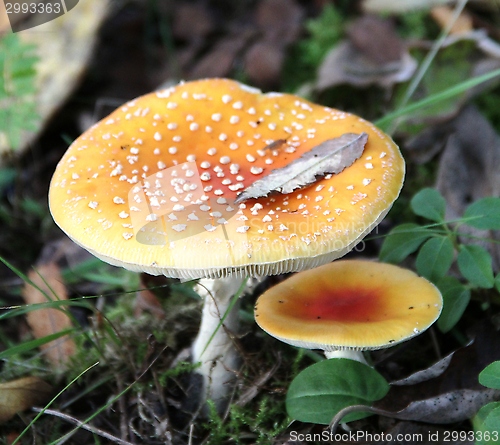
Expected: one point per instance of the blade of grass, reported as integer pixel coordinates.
(18, 438)
(107, 405)
(86, 390)
(27, 280)
(23, 277)
(228, 311)
(32, 344)
(426, 63)
(15, 311)
(385, 121)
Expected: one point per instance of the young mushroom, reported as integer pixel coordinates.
(349, 306)
(152, 187)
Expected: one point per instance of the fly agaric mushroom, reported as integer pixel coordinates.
(349, 306)
(152, 187)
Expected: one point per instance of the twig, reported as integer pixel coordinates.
(83, 425)
(355, 409)
(122, 409)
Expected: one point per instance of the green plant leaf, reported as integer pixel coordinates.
(474, 263)
(497, 282)
(487, 424)
(402, 241)
(456, 297)
(492, 427)
(319, 392)
(490, 376)
(430, 204)
(7, 177)
(484, 214)
(435, 257)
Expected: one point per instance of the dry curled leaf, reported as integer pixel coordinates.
(444, 15)
(468, 171)
(377, 39)
(401, 6)
(331, 156)
(47, 321)
(448, 391)
(346, 64)
(147, 301)
(21, 394)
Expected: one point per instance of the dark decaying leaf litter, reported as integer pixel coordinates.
(125, 338)
(469, 170)
(448, 391)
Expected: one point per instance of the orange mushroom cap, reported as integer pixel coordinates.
(152, 186)
(349, 304)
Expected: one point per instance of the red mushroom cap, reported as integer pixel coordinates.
(349, 305)
(151, 187)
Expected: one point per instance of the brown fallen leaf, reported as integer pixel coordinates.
(263, 64)
(146, 300)
(220, 60)
(376, 39)
(191, 22)
(280, 21)
(345, 64)
(21, 394)
(278, 24)
(48, 321)
(443, 15)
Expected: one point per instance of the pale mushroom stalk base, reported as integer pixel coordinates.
(347, 353)
(218, 357)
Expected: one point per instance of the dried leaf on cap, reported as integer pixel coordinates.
(331, 156)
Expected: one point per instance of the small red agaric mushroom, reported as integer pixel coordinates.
(152, 187)
(349, 306)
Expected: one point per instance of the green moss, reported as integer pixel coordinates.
(305, 56)
(262, 423)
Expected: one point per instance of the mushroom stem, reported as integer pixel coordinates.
(352, 354)
(213, 346)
